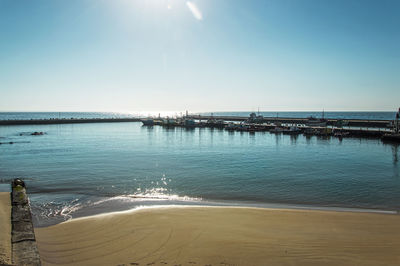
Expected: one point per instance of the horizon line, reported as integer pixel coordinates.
(203, 111)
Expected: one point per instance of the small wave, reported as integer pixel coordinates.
(147, 197)
(67, 211)
(55, 212)
(163, 197)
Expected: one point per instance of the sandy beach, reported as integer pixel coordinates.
(5, 228)
(223, 236)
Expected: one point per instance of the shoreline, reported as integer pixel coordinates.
(229, 235)
(183, 206)
(96, 209)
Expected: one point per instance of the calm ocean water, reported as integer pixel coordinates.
(81, 169)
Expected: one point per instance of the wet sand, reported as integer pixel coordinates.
(5, 228)
(223, 236)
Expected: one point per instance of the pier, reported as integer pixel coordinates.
(290, 120)
(383, 129)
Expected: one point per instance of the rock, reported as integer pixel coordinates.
(36, 133)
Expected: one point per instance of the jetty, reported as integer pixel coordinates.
(66, 121)
(17, 237)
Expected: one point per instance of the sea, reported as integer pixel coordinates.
(76, 170)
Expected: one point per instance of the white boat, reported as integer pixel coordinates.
(292, 131)
(316, 122)
(277, 130)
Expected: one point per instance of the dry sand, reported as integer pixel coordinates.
(224, 236)
(5, 228)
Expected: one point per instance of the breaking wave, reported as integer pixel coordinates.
(51, 213)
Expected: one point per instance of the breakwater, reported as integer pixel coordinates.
(66, 121)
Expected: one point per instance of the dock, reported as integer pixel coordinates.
(284, 125)
(291, 120)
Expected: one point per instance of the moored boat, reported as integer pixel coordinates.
(316, 122)
(391, 137)
(292, 131)
(395, 135)
(308, 131)
(189, 123)
(215, 123)
(254, 118)
(340, 134)
(231, 126)
(277, 130)
(148, 122)
(169, 122)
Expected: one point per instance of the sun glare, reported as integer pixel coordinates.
(195, 10)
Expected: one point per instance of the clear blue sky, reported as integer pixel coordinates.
(204, 55)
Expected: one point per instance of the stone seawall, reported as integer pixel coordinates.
(24, 248)
(66, 121)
